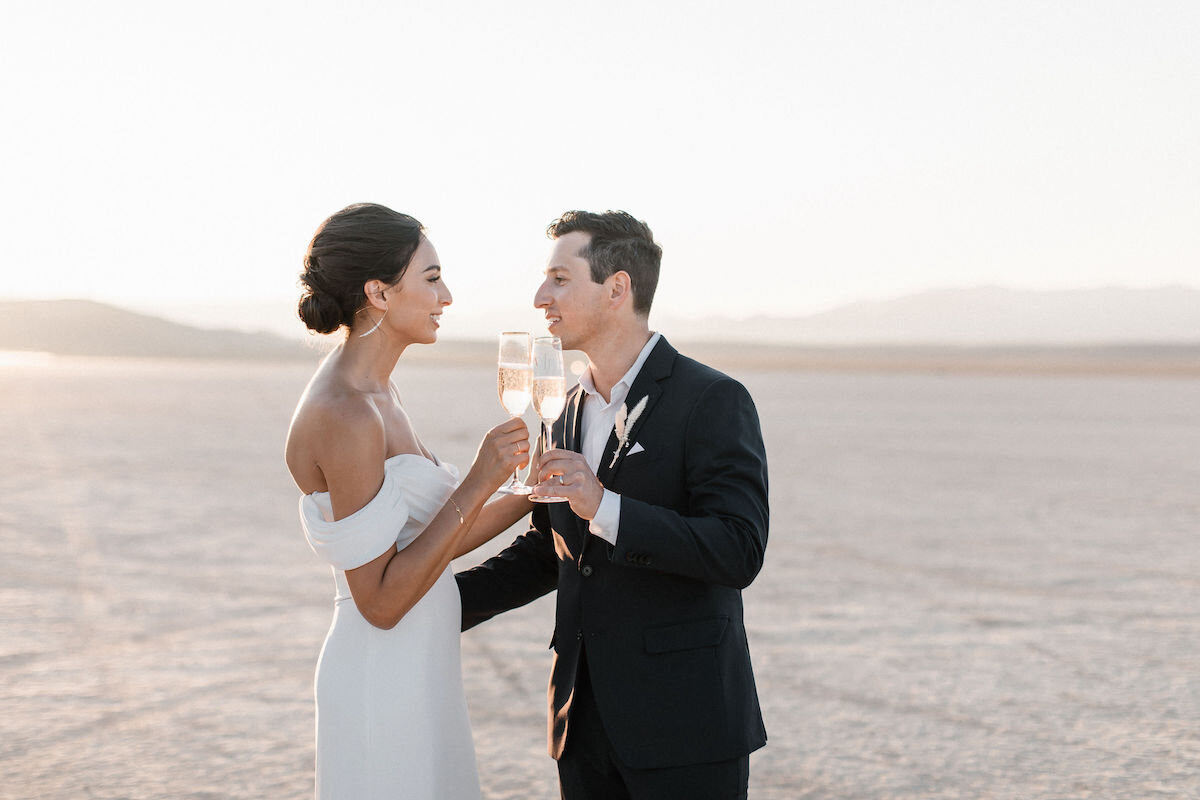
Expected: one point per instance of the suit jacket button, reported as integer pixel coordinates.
(579, 635)
(587, 570)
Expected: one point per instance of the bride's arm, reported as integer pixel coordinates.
(494, 518)
(501, 514)
(385, 588)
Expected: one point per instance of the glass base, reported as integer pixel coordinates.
(515, 488)
(542, 499)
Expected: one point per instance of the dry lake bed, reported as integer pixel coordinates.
(976, 586)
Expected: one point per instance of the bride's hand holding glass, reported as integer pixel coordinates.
(504, 449)
(514, 377)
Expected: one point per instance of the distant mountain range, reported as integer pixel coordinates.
(983, 316)
(980, 317)
(86, 328)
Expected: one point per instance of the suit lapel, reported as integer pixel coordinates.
(568, 435)
(657, 367)
(572, 421)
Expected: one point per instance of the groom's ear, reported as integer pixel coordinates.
(620, 288)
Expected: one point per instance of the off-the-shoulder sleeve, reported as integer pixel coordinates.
(363, 536)
(452, 470)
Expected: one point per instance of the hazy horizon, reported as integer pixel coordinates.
(277, 316)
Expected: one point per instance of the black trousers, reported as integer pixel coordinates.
(590, 770)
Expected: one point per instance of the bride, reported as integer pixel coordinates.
(388, 516)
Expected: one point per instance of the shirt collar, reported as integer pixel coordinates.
(621, 388)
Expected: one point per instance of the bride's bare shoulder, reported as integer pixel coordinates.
(332, 425)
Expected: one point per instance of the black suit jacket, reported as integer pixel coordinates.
(659, 613)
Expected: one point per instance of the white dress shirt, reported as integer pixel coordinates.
(598, 421)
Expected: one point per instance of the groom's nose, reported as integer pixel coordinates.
(541, 298)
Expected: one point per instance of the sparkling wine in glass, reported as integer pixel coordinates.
(514, 384)
(549, 391)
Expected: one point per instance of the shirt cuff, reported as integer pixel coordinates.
(608, 518)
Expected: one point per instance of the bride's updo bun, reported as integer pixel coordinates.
(320, 312)
(363, 242)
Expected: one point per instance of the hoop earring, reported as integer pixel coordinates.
(377, 324)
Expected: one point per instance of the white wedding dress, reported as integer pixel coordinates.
(391, 715)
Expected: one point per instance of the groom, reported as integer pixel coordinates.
(662, 462)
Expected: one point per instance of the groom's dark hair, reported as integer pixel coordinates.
(619, 242)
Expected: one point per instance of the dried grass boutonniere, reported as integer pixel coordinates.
(624, 424)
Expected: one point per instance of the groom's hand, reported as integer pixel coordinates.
(565, 473)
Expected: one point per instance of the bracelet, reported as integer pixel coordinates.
(461, 519)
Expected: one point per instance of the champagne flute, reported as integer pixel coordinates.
(549, 391)
(514, 383)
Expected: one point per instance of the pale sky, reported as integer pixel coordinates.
(789, 156)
